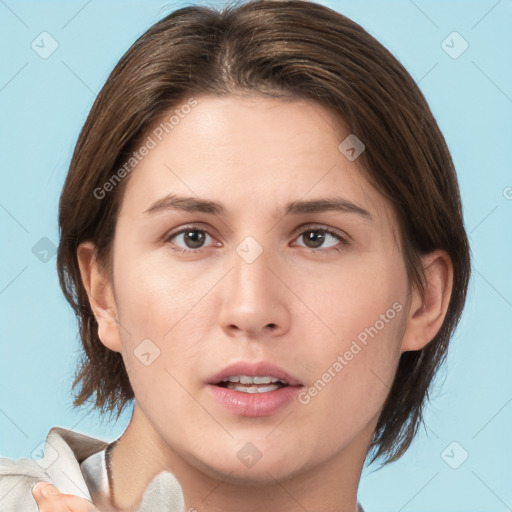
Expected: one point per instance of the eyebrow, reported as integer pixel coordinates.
(299, 207)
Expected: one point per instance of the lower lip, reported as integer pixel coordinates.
(254, 404)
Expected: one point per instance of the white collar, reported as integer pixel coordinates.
(163, 493)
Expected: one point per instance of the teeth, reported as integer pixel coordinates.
(244, 379)
(252, 389)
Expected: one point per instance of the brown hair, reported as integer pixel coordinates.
(289, 48)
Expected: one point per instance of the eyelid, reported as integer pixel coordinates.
(323, 227)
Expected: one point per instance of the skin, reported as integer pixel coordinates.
(209, 308)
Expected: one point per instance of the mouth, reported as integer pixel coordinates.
(253, 389)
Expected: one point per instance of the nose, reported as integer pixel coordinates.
(255, 303)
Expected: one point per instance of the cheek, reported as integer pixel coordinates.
(365, 309)
(163, 318)
(351, 373)
(157, 299)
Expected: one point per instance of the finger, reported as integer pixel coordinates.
(45, 495)
(50, 499)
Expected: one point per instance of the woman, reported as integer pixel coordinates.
(262, 238)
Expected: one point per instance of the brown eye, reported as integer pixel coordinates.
(322, 239)
(188, 238)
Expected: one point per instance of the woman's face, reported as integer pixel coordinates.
(215, 276)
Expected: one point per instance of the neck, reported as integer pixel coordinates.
(331, 488)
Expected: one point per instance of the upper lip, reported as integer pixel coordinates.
(254, 369)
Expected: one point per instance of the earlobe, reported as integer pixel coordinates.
(100, 294)
(428, 310)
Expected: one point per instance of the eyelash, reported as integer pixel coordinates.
(344, 241)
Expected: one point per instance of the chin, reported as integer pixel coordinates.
(264, 471)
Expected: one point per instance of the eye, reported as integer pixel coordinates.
(191, 237)
(317, 237)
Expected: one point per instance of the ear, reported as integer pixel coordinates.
(101, 296)
(427, 312)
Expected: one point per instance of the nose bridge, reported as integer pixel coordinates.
(253, 298)
(250, 263)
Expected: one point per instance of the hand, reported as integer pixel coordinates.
(50, 499)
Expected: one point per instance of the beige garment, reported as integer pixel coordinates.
(64, 451)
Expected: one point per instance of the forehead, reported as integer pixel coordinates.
(248, 152)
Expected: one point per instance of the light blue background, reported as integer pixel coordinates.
(43, 106)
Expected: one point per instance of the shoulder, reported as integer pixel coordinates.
(60, 465)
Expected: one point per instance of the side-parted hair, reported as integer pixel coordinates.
(283, 49)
